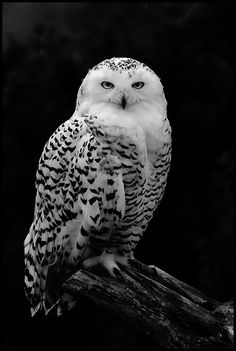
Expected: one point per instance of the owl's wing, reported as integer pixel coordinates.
(160, 165)
(77, 178)
(53, 207)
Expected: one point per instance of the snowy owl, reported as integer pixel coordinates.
(100, 177)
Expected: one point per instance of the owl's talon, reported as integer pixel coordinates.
(116, 271)
(121, 275)
(153, 267)
(108, 261)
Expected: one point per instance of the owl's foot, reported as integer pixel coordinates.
(108, 261)
(156, 269)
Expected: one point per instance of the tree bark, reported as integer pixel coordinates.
(172, 313)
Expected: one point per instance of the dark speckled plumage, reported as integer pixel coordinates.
(121, 65)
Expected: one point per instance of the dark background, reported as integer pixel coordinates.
(47, 50)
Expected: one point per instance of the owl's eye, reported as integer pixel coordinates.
(138, 85)
(107, 85)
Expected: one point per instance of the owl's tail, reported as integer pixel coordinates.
(66, 303)
(41, 283)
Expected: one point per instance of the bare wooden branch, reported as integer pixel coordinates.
(158, 305)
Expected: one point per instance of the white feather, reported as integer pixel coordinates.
(121, 194)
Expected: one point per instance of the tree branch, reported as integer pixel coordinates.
(172, 313)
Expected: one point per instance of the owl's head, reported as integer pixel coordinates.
(121, 82)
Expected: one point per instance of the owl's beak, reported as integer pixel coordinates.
(123, 102)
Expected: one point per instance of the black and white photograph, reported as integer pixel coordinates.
(117, 175)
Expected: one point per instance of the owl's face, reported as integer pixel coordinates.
(122, 83)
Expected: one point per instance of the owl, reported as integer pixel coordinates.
(100, 178)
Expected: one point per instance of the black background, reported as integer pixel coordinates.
(47, 50)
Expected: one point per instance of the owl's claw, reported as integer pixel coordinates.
(108, 261)
(156, 269)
